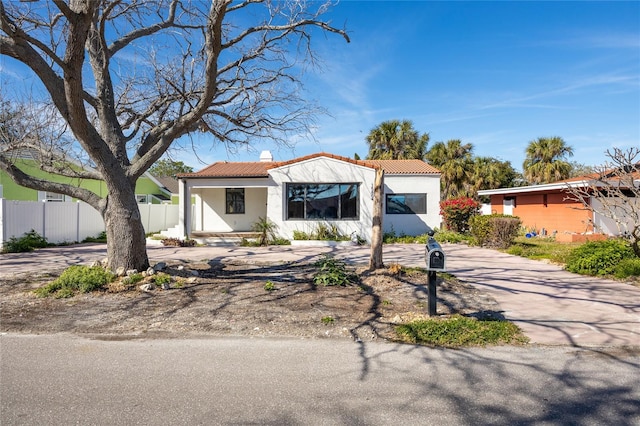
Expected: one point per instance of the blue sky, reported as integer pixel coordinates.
(493, 74)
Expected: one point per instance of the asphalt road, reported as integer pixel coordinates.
(64, 380)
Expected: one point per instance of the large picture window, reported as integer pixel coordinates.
(235, 201)
(322, 201)
(406, 203)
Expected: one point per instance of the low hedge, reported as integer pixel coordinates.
(495, 231)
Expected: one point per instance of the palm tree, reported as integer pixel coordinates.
(396, 140)
(545, 161)
(490, 173)
(455, 163)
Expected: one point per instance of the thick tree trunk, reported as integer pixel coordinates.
(126, 240)
(375, 261)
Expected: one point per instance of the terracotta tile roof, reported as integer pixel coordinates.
(257, 169)
(405, 167)
(323, 154)
(221, 169)
(392, 167)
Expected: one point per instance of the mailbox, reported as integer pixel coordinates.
(434, 257)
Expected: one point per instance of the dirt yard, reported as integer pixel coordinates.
(230, 299)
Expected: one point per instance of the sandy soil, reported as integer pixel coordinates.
(230, 300)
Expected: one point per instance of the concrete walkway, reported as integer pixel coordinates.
(552, 306)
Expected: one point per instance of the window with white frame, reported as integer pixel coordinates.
(142, 198)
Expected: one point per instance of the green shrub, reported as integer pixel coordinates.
(456, 213)
(627, 268)
(269, 286)
(496, 230)
(177, 242)
(332, 272)
(300, 235)
(161, 278)
(133, 278)
(599, 257)
(266, 229)
(28, 242)
(323, 232)
(101, 238)
(327, 320)
(445, 236)
(77, 279)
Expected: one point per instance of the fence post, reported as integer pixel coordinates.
(77, 221)
(3, 222)
(44, 218)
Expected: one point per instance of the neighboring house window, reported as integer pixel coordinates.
(53, 197)
(323, 201)
(142, 198)
(406, 203)
(235, 201)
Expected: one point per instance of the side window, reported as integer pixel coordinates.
(406, 203)
(235, 201)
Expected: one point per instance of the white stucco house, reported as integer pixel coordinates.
(229, 197)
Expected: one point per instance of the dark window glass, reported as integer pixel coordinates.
(322, 201)
(295, 201)
(235, 201)
(406, 203)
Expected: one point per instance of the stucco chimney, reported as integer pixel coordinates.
(266, 156)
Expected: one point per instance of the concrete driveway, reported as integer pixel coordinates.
(552, 306)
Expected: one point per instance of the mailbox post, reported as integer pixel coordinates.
(436, 262)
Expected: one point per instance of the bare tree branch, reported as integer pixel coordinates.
(613, 192)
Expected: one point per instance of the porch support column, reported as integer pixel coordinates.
(184, 214)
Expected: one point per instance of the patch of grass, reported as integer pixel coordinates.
(459, 331)
(542, 248)
(327, 320)
(333, 272)
(76, 279)
(269, 286)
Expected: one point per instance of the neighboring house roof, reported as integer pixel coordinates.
(171, 184)
(546, 187)
(575, 182)
(260, 169)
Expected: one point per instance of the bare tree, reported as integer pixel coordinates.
(128, 78)
(613, 192)
(375, 259)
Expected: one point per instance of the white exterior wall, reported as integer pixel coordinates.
(210, 210)
(408, 224)
(320, 170)
(210, 198)
(607, 225)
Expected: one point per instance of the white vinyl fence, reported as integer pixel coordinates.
(71, 222)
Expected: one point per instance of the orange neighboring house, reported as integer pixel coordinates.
(547, 209)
